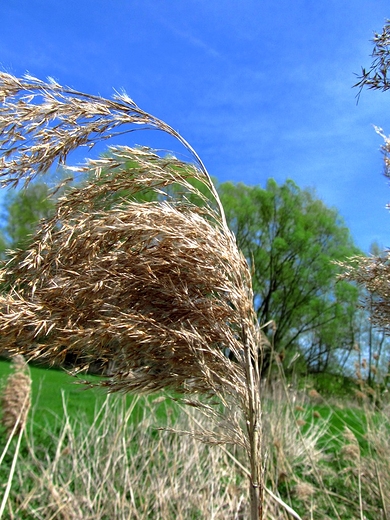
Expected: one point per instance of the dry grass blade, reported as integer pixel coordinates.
(156, 290)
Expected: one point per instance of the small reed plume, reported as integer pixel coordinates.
(154, 286)
(15, 399)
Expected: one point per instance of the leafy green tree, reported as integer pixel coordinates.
(24, 209)
(3, 246)
(291, 240)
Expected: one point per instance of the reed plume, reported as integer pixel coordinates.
(15, 398)
(158, 289)
(372, 273)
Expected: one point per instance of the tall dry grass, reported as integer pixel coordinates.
(119, 467)
(158, 290)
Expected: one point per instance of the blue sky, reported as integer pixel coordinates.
(259, 88)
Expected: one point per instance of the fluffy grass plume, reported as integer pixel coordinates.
(15, 398)
(159, 289)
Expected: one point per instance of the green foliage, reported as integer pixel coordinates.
(291, 239)
(332, 385)
(3, 245)
(24, 210)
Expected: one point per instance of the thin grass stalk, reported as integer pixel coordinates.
(11, 473)
(382, 496)
(16, 405)
(9, 439)
(277, 499)
(253, 425)
(361, 509)
(138, 435)
(315, 468)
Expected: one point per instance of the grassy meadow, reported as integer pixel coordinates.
(86, 455)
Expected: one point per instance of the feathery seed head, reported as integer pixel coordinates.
(157, 288)
(15, 399)
(137, 269)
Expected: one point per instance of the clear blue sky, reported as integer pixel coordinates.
(259, 88)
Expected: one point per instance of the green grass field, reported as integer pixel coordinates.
(51, 387)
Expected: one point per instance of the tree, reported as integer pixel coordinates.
(22, 212)
(24, 209)
(291, 240)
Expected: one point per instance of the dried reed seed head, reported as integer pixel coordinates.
(348, 435)
(304, 490)
(370, 391)
(15, 399)
(41, 123)
(314, 394)
(373, 273)
(360, 395)
(350, 451)
(19, 363)
(157, 289)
